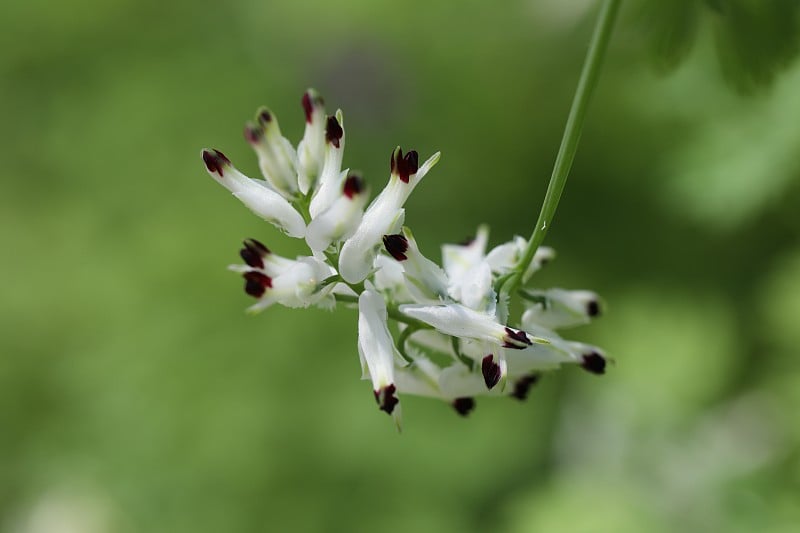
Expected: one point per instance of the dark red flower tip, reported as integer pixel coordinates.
(307, 106)
(253, 133)
(491, 371)
(386, 398)
(333, 131)
(215, 161)
(253, 253)
(256, 283)
(353, 186)
(464, 406)
(467, 242)
(594, 362)
(311, 100)
(593, 308)
(517, 340)
(396, 245)
(264, 117)
(523, 386)
(405, 166)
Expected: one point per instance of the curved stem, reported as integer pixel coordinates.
(572, 134)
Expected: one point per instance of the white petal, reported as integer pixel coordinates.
(420, 378)
(276, 156)
(311, 150)
(340, 220)
(460, 321)
(561, 308)
(255, 194)
(259, 258)
(376, 348)
(474, 289)
(390, 280)
(329, 185)
(551, 356)
(536, 358)
(457, 259)
(504, 258)
(384, 216)
(273, 208)
(427, 282)
(357, 257)
(457, 381)
(297, 285)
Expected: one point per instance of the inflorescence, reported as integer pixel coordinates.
(450, 336)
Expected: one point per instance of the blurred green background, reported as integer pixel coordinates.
(135, 394)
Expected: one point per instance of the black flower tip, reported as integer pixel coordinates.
(264, 117)
(523, 386)
(491, 371)
(215, 161)
(256, 283)
(386, 398)
(464, 406)
(594, 362)
(396, 245)
(517, 340)
(353, 186)
(333, 131)
(593, 308)
(253, 253)
(405, 166)
(311, 100)
(253, 133)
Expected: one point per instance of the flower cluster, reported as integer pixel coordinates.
(450, 336)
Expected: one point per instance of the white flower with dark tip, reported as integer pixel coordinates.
(384, 216)
(274, 279)
(456, 340)
(376, 350)
(340, 220)
(257, 195)
(559, 308)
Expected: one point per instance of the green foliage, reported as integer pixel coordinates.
(756, 39)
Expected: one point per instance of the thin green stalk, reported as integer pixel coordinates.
(572, 134)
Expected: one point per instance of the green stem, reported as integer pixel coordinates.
(572, 134)
(401, 342)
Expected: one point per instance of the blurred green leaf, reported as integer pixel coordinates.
(672, 28)
(756, 39)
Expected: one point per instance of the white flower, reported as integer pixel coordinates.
(255, 194)
(274, 279)
(311, 150)
(455, 384)
(426, 280)
(276, 156)
(459, 259)
(341, 218)
(390, 279)
(549, 357)
(458, 320)
(377, 351)
(559, 308)
(505, 257)
(384, 216)
(329, 186)
(453, 324)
